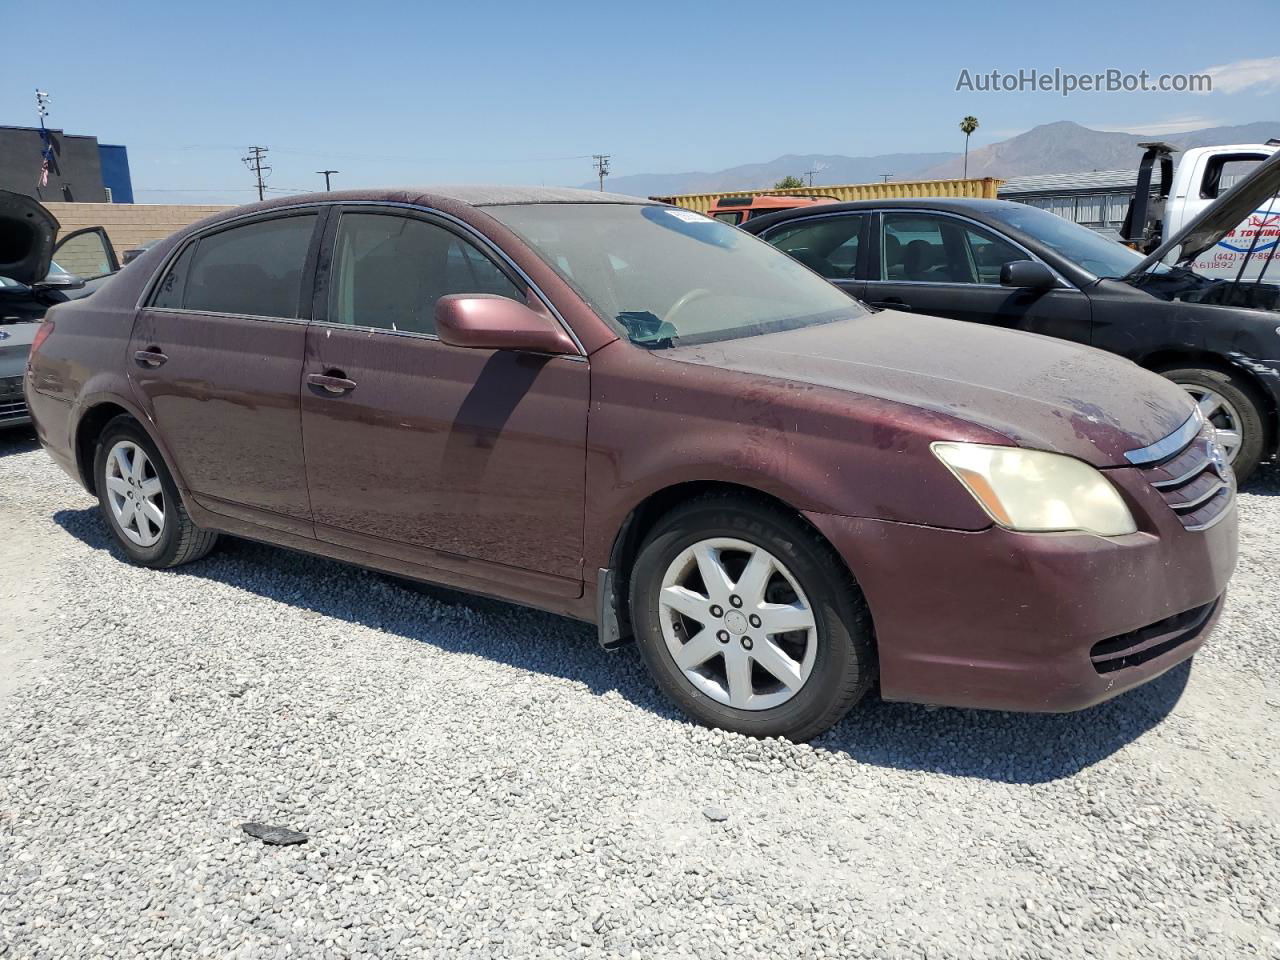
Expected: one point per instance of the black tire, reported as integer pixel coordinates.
(1254, 435)
(844, 667)
(181, 541)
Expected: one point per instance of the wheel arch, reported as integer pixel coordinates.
(89, 426)
(613, 585)
(1175, 357)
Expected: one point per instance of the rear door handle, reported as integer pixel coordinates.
(150, 357)
(332, 381)
(892, 303)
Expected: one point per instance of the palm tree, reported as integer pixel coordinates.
(967, 126)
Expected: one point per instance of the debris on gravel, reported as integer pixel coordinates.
(273, 836)
(477, 780)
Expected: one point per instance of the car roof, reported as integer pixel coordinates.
(454, 200)
(972, 206)
(472, 195)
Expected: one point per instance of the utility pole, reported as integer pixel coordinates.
(325, 174)
(259, 169)
(809, 174)
(601, 161)
(884, 177)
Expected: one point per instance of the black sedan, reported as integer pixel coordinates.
(1012, 265)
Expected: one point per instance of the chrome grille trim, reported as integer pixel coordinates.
(1191, 476)
(1212, 521)
(1166, 447)
(1195, 471)
(1189, 506)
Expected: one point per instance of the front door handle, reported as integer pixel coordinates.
(150, 357)
(892, 303)
(331, 381)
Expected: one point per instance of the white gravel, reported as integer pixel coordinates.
(478, 780)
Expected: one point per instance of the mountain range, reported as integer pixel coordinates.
(1062, 147)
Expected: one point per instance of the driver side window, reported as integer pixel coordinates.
(389, 270)
(930, 248)
(826, 245)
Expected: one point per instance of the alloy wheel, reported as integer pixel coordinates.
(737, 624)
(135, 494)
(1221, 413)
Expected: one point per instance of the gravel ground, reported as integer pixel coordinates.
(478, 780)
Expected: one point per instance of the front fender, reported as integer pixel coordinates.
(654, 426)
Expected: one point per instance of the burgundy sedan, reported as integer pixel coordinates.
(638, 416)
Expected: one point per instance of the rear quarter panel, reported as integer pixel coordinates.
(82, 363)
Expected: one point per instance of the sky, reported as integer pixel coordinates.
(472, 91)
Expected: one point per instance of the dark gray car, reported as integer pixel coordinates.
(31, 282)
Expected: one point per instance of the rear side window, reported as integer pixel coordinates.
(171, 288)
(254, 270)
(389, 271)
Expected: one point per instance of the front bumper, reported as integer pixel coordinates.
(13, 405)
(1036, 622)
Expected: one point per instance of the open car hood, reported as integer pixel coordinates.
(1251, 194)
(27, 235)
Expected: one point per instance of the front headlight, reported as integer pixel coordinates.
(1034, 491)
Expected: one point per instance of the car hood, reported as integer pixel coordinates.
(1039, 392)
(27, 235)
(1256, 193)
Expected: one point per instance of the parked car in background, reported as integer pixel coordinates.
(31, 282)
(781, 495)
(737, 210)
(1012, 265)
(133, 253)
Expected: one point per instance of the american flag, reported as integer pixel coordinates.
(44, 155)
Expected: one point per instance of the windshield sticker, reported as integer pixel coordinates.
(688, 216)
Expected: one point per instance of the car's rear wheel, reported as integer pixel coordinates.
(140, 502)
(1231, 405)
(748, 620)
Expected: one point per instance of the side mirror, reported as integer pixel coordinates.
(59, 281)
(1027, 274)
(490, 322)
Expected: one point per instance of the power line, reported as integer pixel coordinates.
(601, 161)
(261, 170)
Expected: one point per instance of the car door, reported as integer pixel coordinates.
(216, 360)
(833, 245)
(949, 266)
(86, 253)
(470, 459)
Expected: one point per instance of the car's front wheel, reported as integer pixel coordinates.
(749, 621)
(139, 500)
(1232, 406)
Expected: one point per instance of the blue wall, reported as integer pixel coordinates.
(115, 172)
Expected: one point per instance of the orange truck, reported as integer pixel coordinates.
(739, 209)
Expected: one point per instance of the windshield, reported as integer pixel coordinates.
(662, 275)
(1086, 248)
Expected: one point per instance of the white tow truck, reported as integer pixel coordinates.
(1186, 189)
